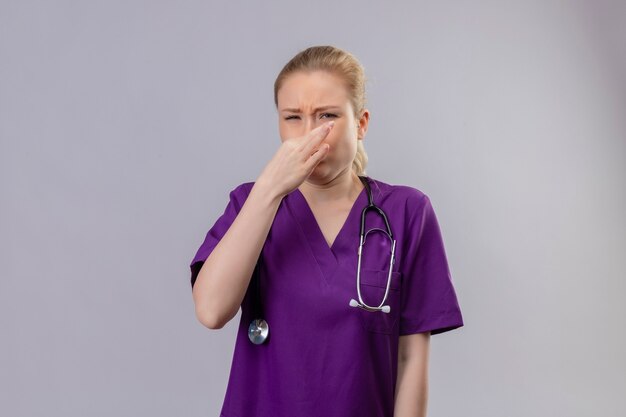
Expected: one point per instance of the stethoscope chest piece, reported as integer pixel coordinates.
(258, 331)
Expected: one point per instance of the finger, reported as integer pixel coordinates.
(317, 157)
(315, 137)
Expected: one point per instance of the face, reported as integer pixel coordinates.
(299, 101)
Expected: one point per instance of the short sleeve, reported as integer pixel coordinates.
(237, 198)
(429, 301)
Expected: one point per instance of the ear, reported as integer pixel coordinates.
(362, 124)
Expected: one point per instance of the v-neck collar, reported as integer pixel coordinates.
(327, 257)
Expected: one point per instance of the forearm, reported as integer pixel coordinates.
(225, 275)
(411, 396)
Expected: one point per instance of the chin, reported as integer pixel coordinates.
(320, 171)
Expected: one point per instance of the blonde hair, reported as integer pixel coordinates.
(347, 67)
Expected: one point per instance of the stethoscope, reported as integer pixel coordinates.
(258, 331)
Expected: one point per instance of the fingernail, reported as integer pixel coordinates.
(331, 124)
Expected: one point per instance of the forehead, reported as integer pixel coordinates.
(307, 90)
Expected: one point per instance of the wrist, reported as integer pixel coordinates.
(266, 192)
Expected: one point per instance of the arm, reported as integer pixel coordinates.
(412, 384)
(223, 279)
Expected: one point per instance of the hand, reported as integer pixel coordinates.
(294, 161)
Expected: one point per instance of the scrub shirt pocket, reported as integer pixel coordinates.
(373, 284)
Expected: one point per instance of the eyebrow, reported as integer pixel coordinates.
(294, 110)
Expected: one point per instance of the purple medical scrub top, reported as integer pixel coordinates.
(324, 357)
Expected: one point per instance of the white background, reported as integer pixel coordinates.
(124, 124)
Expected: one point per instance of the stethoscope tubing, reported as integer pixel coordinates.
(363, 237)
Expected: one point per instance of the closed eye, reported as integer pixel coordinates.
(329, 114)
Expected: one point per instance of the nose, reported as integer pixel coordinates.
(309, 125)
(312, 123)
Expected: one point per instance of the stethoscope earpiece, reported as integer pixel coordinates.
(355, 303)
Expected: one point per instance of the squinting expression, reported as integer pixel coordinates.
(308, 100)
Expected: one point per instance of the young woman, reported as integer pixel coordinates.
(346, 329)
